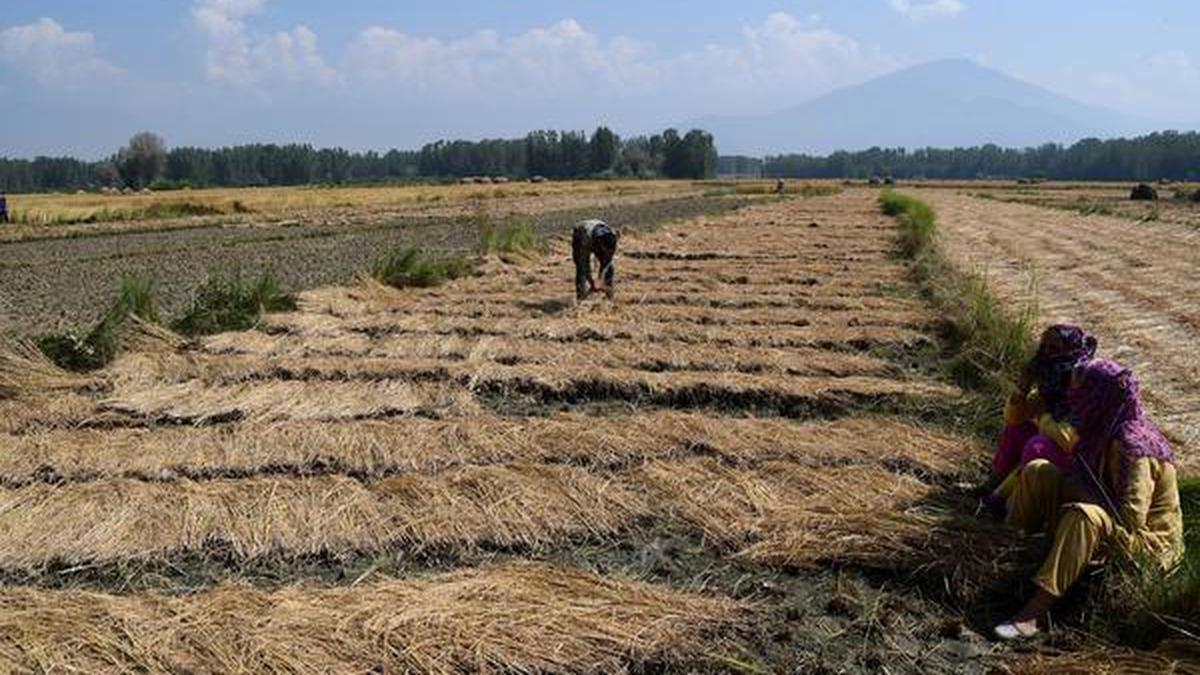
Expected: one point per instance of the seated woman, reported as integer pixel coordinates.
(1120, 495)
(1035, 416)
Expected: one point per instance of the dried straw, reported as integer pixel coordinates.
(521, 618)
(377, 448)
(25, 370)
(113, 521)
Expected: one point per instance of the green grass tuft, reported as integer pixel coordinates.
(916, 219)
(95, 349)
(229, 302)
(414, 267)
(514, 237)
(989, 342)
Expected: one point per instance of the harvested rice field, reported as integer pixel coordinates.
(1134, 284)
(742, 464)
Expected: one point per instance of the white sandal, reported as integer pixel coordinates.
(1009, 631)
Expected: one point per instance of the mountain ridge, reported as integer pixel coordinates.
(945, 103)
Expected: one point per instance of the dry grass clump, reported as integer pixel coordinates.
(378, 448)
(115, 521)
(522, 618)
(196, 403)
(33, 413)
(1101, 660)
(787, 513)
(25, 370)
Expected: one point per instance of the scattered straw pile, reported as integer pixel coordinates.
(25, 371)
(517, 618)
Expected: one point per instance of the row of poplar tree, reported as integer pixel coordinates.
(147, 162)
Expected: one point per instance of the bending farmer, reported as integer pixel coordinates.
(593, 237)
(1119, 497)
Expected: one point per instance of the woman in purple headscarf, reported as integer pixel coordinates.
(1035, 415)
(1120, 494)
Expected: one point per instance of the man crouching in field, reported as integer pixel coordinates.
(593, 237)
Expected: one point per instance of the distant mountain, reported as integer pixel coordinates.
(939, 104)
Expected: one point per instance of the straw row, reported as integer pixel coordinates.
(706, 316)
(369, 297)
(380, 448)
(118, 520)
(193, 402)
(778, 497)
(521, 618)
(336, 389)
(654, 357)
(603, 329)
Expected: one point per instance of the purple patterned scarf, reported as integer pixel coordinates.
(1106, 407)
(1051, 367)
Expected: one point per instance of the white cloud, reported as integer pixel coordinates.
(923, 11)
(54, 56)
(552, 60)
(782, 59)
(237, 56)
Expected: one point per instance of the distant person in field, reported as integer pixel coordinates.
(1119, 497)
(1036, 424)
(594, 238)
(3, 209)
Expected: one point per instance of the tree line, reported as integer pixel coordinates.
(147, 162)
(1168, 154)
(573, 154)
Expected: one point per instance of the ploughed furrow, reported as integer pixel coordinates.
(113, 521)
(380, 448)
(513, 618)
(512, 351)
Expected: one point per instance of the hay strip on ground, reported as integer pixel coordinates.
(379, 448)
(521, 618)
(195, 403)
(115, 521)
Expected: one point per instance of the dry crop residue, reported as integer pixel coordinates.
(488, 477)
(1133, 284)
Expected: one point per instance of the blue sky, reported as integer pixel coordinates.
(80, 77)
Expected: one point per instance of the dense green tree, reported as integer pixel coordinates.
(604, 148)
(142, 161)
(1167, 154)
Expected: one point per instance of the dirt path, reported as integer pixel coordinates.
(1134, 284)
